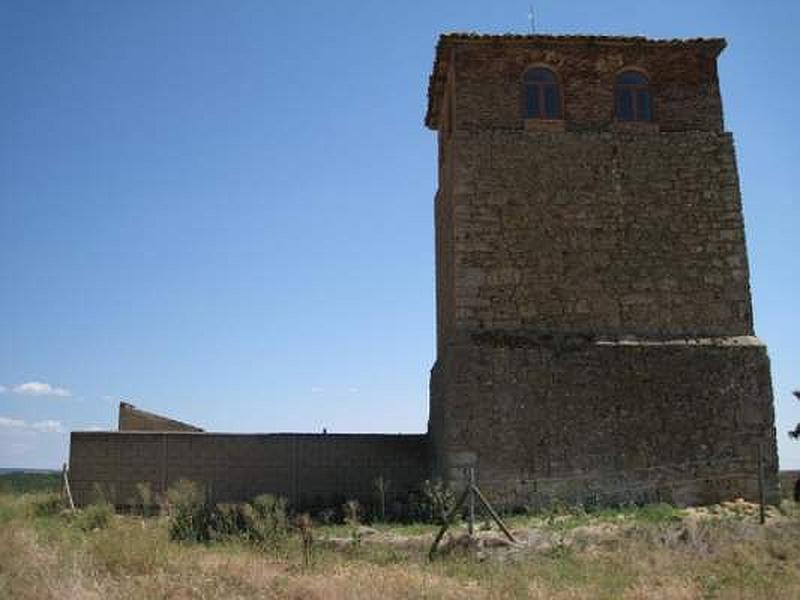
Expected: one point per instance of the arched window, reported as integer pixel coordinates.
(541, 95)
(632, 97)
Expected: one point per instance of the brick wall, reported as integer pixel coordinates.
(307, 469)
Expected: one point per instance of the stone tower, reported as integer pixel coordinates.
(594, 322)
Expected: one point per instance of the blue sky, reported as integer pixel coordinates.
(223, 210)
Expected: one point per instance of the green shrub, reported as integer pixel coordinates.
(193, 519)
(45, 505)
(228, 521)
(438, 499)
(103, 493)
(263, 521)
(326, 516)
(26, 483)
(352, 518)
(185, 493)
(95, 516)
(659, 513)
(190, 515)
(143, 501)
(352, 513)
(270, 519)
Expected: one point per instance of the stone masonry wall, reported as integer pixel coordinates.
(614, 233)
(589, 421)
(594, 314)
(310, 470)
(488, 75)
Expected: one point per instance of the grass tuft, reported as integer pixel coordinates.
(94, 516)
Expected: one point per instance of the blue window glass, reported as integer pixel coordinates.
(532, 101)
(624, 105)
(632, 97)
(643, 105)
(541, 95)
(551, 102)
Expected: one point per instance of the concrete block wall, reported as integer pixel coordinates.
(307, 469)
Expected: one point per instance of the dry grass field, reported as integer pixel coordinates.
(651, 552)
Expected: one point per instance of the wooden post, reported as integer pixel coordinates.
(471, 522)
(761, 492)
(382, 485)
(65, 484)
(448, 517)
(495, 516)
(164, 466)
(305, 525)
(470, 491)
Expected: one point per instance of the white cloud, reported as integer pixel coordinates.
(46, 426)
(37, 388)
(352, 390)
(317, 389)
(16, 423)
(2, 389)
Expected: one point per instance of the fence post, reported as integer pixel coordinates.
(471, 529)
(761, 491)
(65, 485)
(164, 466)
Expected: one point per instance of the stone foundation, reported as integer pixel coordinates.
(589, 421)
